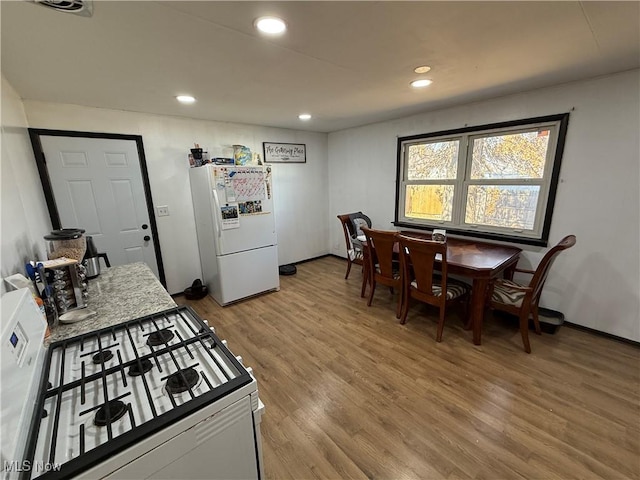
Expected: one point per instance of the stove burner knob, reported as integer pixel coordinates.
(250, 370)
(224, 342)
(239, 358)
(206, 322)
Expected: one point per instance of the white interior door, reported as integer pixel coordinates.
(97, 185)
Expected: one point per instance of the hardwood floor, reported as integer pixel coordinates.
(351, 393)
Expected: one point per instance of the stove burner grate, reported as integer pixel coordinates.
(92, 397)
(160, 337)
(182, 381)
(116, 410)
(102, 357)
(140, 368)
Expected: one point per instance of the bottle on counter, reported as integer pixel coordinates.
(50, 307)
(40, 304)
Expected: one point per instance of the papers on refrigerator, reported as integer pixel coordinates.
(248, 183)
(230, 217)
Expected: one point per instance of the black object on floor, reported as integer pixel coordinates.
(550, 320)
(287, 269)
(196, 291)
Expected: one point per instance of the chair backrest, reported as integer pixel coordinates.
(421, 256)
(346, 222)
(358, 220)
(381, 245)
(540, 275)
(349, 228)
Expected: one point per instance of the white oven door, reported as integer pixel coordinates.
(221, 447)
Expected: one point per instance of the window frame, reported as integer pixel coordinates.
(465, 136)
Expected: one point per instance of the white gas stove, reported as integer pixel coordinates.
(160, 396)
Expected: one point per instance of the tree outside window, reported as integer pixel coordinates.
(496, 180)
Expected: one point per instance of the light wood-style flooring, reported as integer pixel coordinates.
(351, 393)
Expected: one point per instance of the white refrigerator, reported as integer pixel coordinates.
(236, 230)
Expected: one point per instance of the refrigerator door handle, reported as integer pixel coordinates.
(216, 212)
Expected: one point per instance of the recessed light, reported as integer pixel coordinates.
(421, 83)
(304, 116)
(270, 25)
(422, 69)
(185, 99)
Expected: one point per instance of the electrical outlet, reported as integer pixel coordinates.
(163, 210)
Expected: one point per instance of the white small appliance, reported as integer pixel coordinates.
(235, 225)
(156, 397)
(22, 333)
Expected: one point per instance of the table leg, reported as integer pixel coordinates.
(478, 296)
(509, 272)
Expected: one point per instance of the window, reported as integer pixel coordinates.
(494, 181)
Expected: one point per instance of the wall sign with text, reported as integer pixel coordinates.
(284, 152)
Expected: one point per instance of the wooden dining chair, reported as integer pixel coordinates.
(522, 300)
(383, 267)
(418, 260)
(351, 226)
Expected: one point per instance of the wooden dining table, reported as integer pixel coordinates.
(481, 262)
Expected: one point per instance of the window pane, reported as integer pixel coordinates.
(510, 206)
(518, 155)
(433, 161)
(433, 202)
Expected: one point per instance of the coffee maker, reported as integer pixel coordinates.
(92, 259)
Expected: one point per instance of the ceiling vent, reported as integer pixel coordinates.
(79, 7)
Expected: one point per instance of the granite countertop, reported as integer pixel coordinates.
(118, 294)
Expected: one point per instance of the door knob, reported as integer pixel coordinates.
(147, 238)
(145, 226)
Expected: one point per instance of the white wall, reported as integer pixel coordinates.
(299, 189)
(595, 284)
(25, 219)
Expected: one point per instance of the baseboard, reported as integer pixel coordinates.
(181, 294)
(314, 258)
(601, 334)
(565, 323)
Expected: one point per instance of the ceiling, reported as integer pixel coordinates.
(346, 63)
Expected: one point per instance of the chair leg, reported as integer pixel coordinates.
(536, 320)
(524, 329)
(399, 307)
(348, 268)
(373, 289)
(440, 324)
(365, 282)
(404, 313)
(405, 306)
